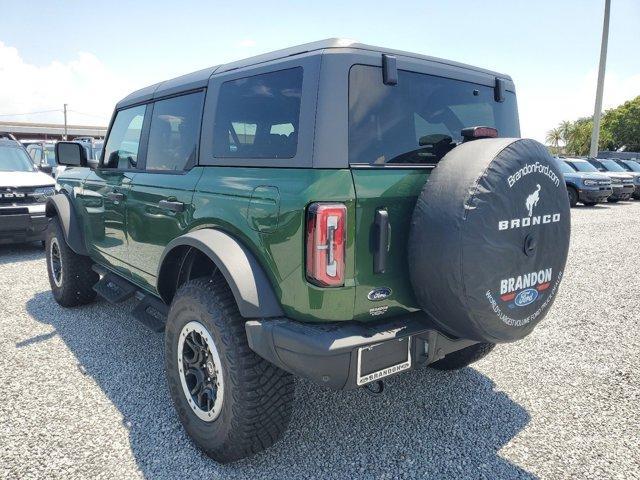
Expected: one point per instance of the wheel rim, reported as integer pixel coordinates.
(56, 262)
(200, 371)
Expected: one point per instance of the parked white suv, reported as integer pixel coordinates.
(23, 193)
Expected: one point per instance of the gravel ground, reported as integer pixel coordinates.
(83, 392)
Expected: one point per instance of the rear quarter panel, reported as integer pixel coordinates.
(265, 208)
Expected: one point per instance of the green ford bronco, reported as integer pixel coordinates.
(334, 211)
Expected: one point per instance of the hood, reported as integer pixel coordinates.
(587, 175)
(25, 179)
(620, 175)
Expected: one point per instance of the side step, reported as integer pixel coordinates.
(151, 312)
(111, 287)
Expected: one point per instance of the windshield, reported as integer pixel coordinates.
(564, 167)
(583, 166)
(420, 119)
(612, 166)
(50, 155)
(632, 165)
(14, 159)
(97, 151)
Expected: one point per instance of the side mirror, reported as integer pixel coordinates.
(92, 163)
(71, 154)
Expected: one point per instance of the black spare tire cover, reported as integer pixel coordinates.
(489, 239)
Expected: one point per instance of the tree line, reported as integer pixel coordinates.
(620, 127)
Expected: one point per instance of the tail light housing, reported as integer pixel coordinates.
(326, 236)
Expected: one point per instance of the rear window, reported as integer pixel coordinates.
(420, 119)
(258, 117)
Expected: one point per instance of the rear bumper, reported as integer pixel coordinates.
(328, 354)
(19, 225)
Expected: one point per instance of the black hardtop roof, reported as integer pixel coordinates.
(200, 78)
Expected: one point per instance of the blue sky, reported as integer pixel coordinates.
(91, 54)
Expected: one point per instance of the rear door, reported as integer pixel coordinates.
(105, 190)
(397, 134)
(159, 203)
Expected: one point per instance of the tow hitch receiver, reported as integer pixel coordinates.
(380, 360)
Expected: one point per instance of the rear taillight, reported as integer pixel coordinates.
(326, 234)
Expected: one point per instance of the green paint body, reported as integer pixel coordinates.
(264, 209)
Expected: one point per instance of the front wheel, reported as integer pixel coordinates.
(590, 204)
(230, 401)
(70, 275)
(463, 358)
(613, 200)
(573, 196)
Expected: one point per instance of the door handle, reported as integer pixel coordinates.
(115, 196)
(173, 206)
(381, 240)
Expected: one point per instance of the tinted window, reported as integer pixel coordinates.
(258, 117)
(174, 132)
(420, 119)
(121, 150)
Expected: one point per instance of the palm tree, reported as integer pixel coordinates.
(565, 128)
(553, 138)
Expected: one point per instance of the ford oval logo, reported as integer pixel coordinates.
(526, 297)
(378, 294)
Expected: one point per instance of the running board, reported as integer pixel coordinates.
(111, 287)
(151, 312)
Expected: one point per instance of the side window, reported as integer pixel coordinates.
(121, 150)
(258, 117)
(174, 132)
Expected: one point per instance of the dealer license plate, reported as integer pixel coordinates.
(383, 359)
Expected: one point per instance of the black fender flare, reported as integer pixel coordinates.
(249, 284)
(60, 205)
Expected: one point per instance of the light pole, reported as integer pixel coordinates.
(65, 121)
(597, 112)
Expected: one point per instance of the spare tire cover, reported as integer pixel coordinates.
(489, 239)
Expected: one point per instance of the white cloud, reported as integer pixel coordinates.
(544, 107)
(246, 43)
(84, 83)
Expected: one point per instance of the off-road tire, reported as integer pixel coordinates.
(75, 286)
(257, 397)
(573, 197)
(463, 358)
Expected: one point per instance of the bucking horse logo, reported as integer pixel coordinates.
(532, 200)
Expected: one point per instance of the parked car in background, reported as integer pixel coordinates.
(621, 183)
(631, 166)
(97, 151)
(43, 155)
(23, 193)
(610, 165)
(588, 188)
